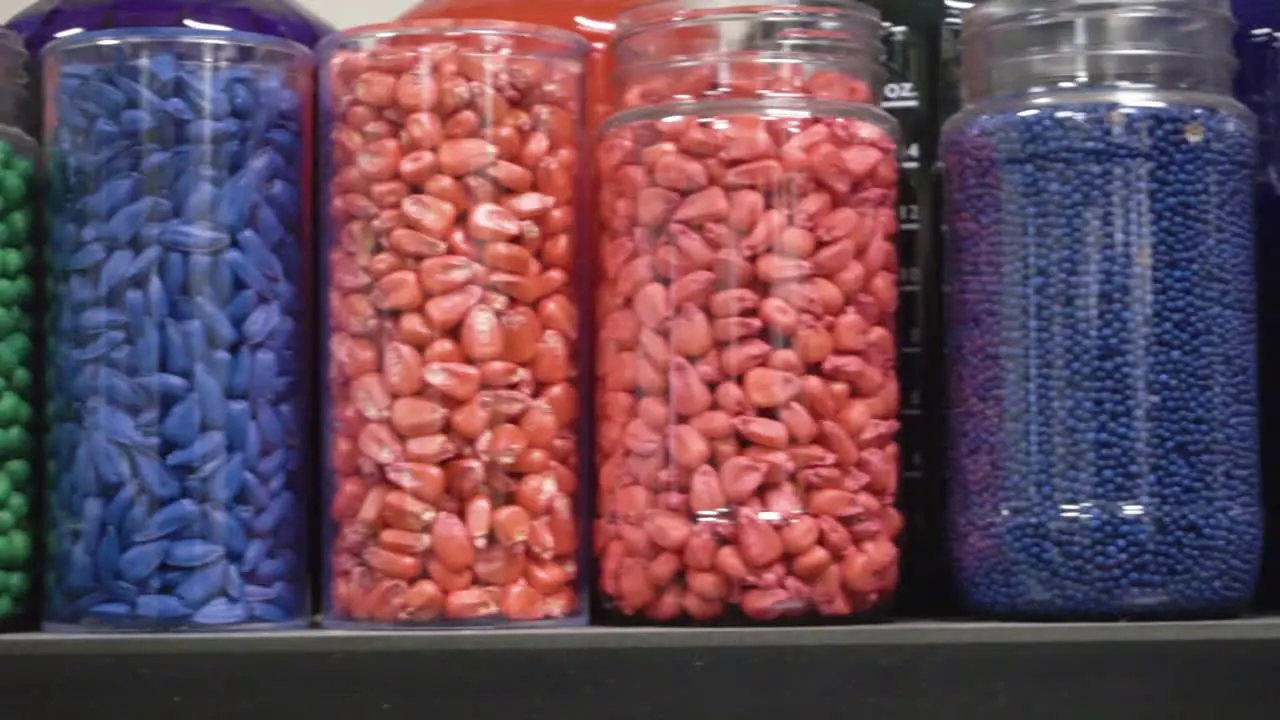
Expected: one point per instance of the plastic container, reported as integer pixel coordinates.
(46, 20)
(747, 395)
(178, 282)
(453, 282)
(1104, 446)
(1258, 87)
(594, 20)
(18, 501)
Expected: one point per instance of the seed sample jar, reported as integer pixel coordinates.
(178, 277)
(747, 394)
(18, 158)
(1104, 446)
(452, 332)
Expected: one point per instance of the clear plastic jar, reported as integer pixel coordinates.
(19, 155)
(15, 90)
(178, 282)
(1258, 87)
(1104, 448)
(46, 20)
(453, 282)
(747, 395)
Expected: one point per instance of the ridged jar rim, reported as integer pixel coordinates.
(992, 13)
(647, 16)
(793, 107)
(126, 36)
(560, 43)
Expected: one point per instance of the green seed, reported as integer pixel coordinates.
(19, 584)
(19, 222)
(7, 522)
(19, 471)
(20, 379)
(6, 487)
(21, 545)
(18, 505)
(6, 606)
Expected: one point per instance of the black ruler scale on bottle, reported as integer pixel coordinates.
(916, 89)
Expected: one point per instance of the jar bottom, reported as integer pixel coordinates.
(331, 623)
(1147, 616)
(735, 618)
(141, 627)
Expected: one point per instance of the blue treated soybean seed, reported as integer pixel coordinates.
(161, 189)
(1104, 411)
(16, 176)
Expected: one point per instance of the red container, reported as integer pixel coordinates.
(747, 394)
(451, 157)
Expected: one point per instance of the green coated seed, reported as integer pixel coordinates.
(19, 222)
(6, 487)
(20, 379)
(18, 505)
(19, 471)
(6, 606)
(19, 584)
(7, 522)
(21, 545)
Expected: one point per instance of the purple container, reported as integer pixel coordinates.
(49, 19)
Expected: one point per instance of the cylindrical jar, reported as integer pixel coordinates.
(179, 169)
(18, 159)
(1101, 315)
(1258, 87)
(452, 336)
(747, 395)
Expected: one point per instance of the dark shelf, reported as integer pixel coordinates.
(927, 670)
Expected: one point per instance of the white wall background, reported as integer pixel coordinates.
(342, 13)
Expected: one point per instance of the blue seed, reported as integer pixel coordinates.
(148, 350)
(276, 510)
(263, 378)
(194, 238)
(259, 593)
(101, 319)
(101, 345)
(255, 491)
(168, 520)
(253, 554)
(91, 515)
(268, 612)
(122, 591)
(182, 425)
(235, 583)
(260, 323)
(238, 421)
(80, 571)
(202, 584)
(221, 611)
(108, 555)
(221, 332)
(271, 464)
(140, 561)
(135, 307)
(156, 478)
(144, 264)
(225, 528)
(161, 607)
(168, 385)
(157, 298)
(110, 461)
(241, 305)
(136, 519)
(205, 448)
(119, 389)
(110, 611)
(193, 553)
(176, 358)
(197, 341)
(269, 426)
(224, 486)
(120, 504)
(87, 257)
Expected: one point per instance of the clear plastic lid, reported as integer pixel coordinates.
(1020, 45)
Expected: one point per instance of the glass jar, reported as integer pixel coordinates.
(453, 283)
(178, 282)
(747, 395)
(594, 20)
(45, 20)
(1104, 446)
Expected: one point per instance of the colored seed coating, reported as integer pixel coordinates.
(16, 450)
(747, 390)
(178, 173)
(1104, 440)
(452, 331)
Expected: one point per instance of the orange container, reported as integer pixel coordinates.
(592, 19)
